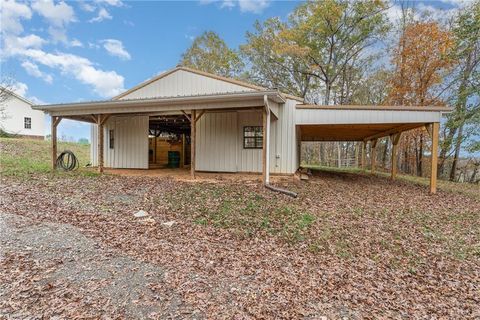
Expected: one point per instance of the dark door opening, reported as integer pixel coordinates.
(169, 142)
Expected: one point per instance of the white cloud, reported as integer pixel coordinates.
(253, 6)
(394, 13)
(115, 48)
(114, 3)
(11, 13)
(103, 14)
(13, 45)
(19, 88)
(33, 70)
(104, 83)
(59, 14)
(421, 10)
(189, 37)
(229, 4)
(76, 43)
(87, 6)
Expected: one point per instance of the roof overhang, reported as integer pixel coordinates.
(362, 123)
(218, 101)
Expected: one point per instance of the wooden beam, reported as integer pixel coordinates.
(193, 133)
(397, 129)
(364, 156)
(104, 118)
(187, 116)
(199, 115)
(433, 174)
(374, 155)
(395, 138)
(54, 122)
(429, 129)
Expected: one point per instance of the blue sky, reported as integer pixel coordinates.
(75, 51)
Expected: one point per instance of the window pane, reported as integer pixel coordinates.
(111, 136)
(249, 143)
(27, 123)
(253, 137)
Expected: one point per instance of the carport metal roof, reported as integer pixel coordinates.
(362, 123)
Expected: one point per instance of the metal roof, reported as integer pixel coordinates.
(201, 98)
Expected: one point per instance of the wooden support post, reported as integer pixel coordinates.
(395, 138)
(182, 160)
(433, 173)
(100, 143)
(264, 147)
(101, 119)
(364, 155)
(55, 121)
(193, 133)
(374, 155)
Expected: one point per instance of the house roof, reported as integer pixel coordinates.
(16, 95)
(205, 74)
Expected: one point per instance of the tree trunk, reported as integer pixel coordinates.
(420, 157)
(456, 156)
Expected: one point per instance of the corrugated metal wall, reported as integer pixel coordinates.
(130, 143)
(216, 145)
(283, 135)
(219, 142)
(249, 160)
(319, 116)
(184, 83)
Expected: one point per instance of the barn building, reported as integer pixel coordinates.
(219, 124)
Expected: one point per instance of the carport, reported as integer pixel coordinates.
(368, 124)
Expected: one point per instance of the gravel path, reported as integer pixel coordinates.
(60, 256)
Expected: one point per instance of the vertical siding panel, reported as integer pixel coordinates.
(184, 83)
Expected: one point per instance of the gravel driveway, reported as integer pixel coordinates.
(55, 265)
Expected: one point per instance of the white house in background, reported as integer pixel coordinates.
(18, 118)
(218, 124)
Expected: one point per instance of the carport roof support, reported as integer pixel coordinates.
(368, 123)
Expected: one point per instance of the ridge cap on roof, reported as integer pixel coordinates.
(203, 73)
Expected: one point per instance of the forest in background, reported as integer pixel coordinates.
(336, 52)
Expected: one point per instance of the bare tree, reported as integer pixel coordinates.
(6, 89)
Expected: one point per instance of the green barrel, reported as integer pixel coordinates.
(173, 159)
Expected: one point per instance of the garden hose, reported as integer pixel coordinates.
(67, 161)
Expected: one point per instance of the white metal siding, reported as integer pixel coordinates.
(184, 83)
(130, 143)
(249, 160)
(219, 142)
(16, 110)
(283, 140)
(319, 116)
(216, 144)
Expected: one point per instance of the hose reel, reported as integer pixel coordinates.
(67, 161)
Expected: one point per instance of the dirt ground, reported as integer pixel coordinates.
(350, 246)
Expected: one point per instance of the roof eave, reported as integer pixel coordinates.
(274, 95)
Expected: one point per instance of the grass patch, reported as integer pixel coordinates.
(23, 157)
(245, 213)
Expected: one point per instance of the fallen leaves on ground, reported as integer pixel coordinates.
(351, 245)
